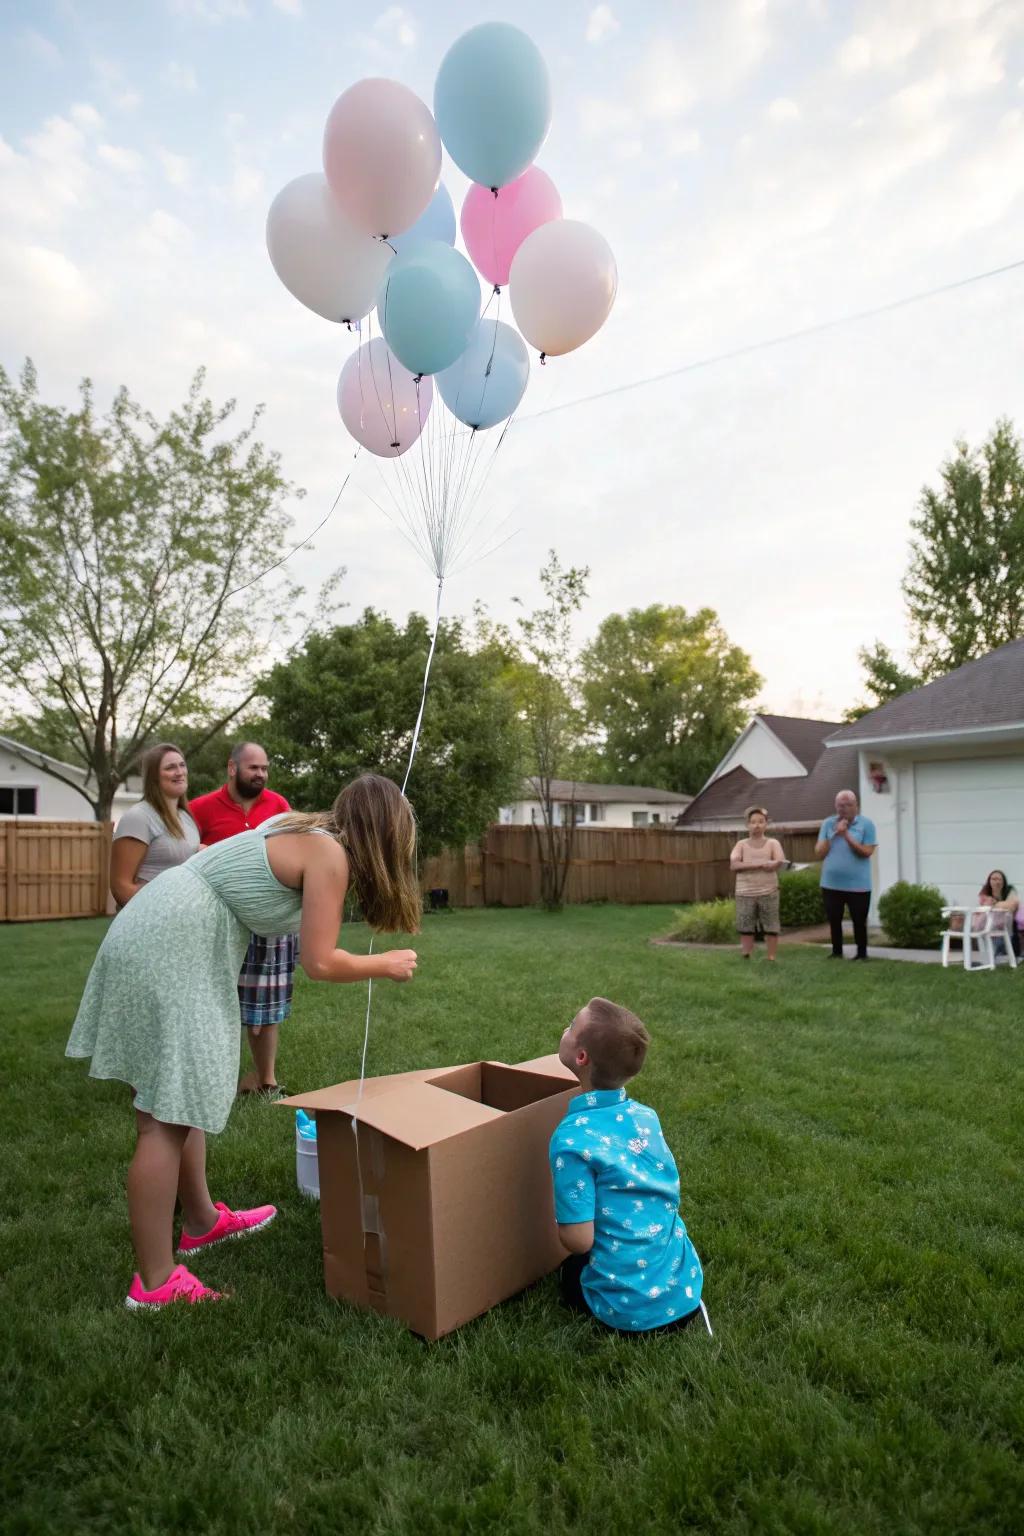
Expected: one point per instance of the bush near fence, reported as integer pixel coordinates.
(628, 865)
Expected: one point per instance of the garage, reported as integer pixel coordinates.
(969, 815)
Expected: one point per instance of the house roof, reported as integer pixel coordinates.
(806, 797)
(804, 738)
(43, 760)
(574, 789)
(983, 694)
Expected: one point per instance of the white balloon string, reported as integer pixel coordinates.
(369, 984)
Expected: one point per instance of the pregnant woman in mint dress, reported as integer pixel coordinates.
(160, 1008)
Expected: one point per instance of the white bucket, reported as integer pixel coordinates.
(307, 1168)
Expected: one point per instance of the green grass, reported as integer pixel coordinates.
(850, 1147)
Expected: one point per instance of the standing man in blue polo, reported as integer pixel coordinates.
(846, 842)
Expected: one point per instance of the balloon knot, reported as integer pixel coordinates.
(494, 191)
(396, 444)
(418, 378)
(497, 288)
(543, 358)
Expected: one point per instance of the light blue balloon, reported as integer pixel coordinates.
(492, 102)
(428, 304)
(487, 383)
(437, 222)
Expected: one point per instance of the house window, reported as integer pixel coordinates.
(579, 814)
(534, 814)
(597, 813)
(656, 819)
(639, 818)
(18, 800)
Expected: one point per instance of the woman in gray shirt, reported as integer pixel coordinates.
(158, 833)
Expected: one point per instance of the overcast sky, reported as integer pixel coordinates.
(758, 166)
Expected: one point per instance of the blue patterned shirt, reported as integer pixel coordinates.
(611, 1165)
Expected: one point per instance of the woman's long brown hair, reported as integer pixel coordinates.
(152, 792)
(375, 823)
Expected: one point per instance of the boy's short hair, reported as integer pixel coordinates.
(616, 1042)
(755, 810)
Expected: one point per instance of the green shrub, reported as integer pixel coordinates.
(800, 903)
(912, 915)
(707, 922)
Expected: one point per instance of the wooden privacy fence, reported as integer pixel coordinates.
(53, 869)
(643, 864)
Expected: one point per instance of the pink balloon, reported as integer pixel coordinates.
(380, 402)
(494, 226)
(382, 155)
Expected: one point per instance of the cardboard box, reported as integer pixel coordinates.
(457, 1211)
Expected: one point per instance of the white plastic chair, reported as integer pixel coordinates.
(987, 934)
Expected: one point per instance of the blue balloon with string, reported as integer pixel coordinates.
(428, 304)
(492, 102)
(487, 383)
(436, 222)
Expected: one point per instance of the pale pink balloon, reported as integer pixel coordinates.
(380, 402)
(494, 226)
(382, 155)
(562, 286)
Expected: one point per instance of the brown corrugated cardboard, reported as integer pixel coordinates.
(440, 1205)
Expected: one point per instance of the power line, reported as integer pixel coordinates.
(776, 341)
(674, 373)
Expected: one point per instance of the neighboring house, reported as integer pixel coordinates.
(597, 805)
(33, 784)
(942, 777)
(780, 762)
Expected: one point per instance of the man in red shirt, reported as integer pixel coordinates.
(268, 972)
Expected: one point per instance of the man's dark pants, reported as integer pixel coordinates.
(858, 903)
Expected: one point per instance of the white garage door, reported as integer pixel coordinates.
(970, 819)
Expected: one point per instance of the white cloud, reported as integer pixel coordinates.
(686, 141)
(175, 167)
(86, 116)
(600, 117)
(397, 25)
(180, 77)
(289, 7)
(127, 161)
(45, 288)
(247, 185)
(601, 24)
(783, 110)
(41, 48)
(855, 54)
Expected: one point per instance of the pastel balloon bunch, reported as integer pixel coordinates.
(376, 229)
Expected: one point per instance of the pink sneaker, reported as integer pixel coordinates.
(229, 1224)
(180, 1285)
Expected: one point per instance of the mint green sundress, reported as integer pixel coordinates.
(160, 1007)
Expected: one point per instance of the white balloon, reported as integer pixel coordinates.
(323, 258)
(562, 285)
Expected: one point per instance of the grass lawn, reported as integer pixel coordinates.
(850, 1144)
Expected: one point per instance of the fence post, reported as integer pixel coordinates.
(103, 873)
(12, 870)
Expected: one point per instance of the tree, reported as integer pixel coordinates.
(667, 692)
(964, 586)
(545, 683)
(129, 548)
(347, 703)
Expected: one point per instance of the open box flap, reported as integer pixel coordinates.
(340, 1096)
(550, 1066)
(419, 1115)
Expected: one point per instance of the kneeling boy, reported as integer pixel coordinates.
(631, 1265)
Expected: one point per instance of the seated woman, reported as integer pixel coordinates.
(997, 892)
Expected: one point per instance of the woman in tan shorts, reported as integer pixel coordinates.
(756, 861)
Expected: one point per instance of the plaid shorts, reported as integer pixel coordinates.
(267, 978)
(750, 910)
